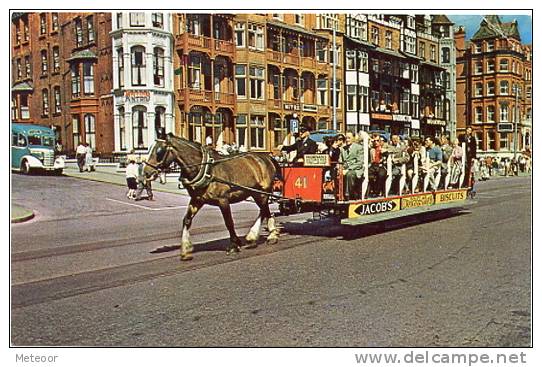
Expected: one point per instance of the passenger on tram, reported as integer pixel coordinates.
(434, 161)
(352, 159)
(416, 152)
(304, 145)
(446, 148)
(456, 165)
(377, 167)
(398, 154)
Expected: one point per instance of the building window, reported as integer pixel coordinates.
(478, 48)
(433, 53)
(26, 31)
(139, 127)
(257, 132)
(90, 29)
(159, 118)
(122, 129)
(478, 114)
(54, 25)
(58, 109)
(410, 44)
(445, 57)
(241, 81)
(405, 101)
(503, 65)
(43, 24)
(157, 20)
(491, 113)
(321, 48)
(44, 63)
(158, 67)
(528, 92)
(78, 33)
(375, 35)
(364, 99)
(27, 66)
(490, 88)
(491, 66)
(45, 102)
(388, 37)
(278, 16)
(17, 35)
(75, 130)
(504, 113)
(19, 69)
(332, 55)
(350, 60)
(490, 46)
(299, 19)
(88, 78)
(90, 130)
(351, 98)
(255, 37)
(137, 19)
(321, 86)
(478, 90)
(503, 140)
(241, 136)
(240, 37)
(414, 74)
(194, 72)
(415, 106)
(257, 81)
(119, 20)
(56, 59)
(76, 82)
(193, 24)
(421, 50)
(363, 62)
(478, 68)
(138, 66)
(504, 87)
(326, 21)
(491, 140)
(338, 94)
(120, 57)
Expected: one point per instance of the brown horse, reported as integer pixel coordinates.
(220, 181)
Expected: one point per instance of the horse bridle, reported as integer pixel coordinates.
(159, 165)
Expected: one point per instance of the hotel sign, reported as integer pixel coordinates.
(435, 122)
(402, 118)
(381, 116)
(291, 107)
(137, 96)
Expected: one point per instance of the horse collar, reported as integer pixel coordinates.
(203, 177)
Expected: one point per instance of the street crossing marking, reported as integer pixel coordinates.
(146, 207)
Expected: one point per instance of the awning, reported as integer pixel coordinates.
(82, 55)
(22, 87)
(389, 52)
(360, 42)
(277, 24)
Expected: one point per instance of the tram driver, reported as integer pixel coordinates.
(304, 145)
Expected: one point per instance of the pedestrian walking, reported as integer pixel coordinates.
(131, 177)
(142, 182)
(80, 155)
(89, 163)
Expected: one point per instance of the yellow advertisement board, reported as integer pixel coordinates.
(375, 207)
(417, 201)
(450, 196)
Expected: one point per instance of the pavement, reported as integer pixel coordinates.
(20, 214)
(114, 175)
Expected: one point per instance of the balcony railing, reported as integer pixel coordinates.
(224, 98)
(198, 95)
(205, 43)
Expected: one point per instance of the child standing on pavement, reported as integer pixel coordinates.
(131, 178)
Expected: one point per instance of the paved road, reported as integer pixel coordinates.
(92, 269)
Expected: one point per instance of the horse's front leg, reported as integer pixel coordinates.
(235, 242)
(186, 246)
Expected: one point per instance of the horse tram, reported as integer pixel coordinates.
(316, 185)
(312, 187)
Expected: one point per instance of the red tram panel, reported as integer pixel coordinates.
(303, 183)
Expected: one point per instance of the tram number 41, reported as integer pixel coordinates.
(301, 182)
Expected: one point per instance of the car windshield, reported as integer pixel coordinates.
(36, 139)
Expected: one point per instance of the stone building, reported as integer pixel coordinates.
(143, 78)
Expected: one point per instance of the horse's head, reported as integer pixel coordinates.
(160, 158)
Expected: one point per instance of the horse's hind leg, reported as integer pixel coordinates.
(186, 246)
(235, 242)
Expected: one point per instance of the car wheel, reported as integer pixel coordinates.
(25, 167)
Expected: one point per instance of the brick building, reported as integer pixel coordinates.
(494, 87)
(62, 75)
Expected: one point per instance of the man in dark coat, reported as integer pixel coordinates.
(470, 149)
(304, 145)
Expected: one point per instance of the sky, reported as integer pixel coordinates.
(472, 22)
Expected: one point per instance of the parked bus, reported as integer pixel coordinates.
(33, 148)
